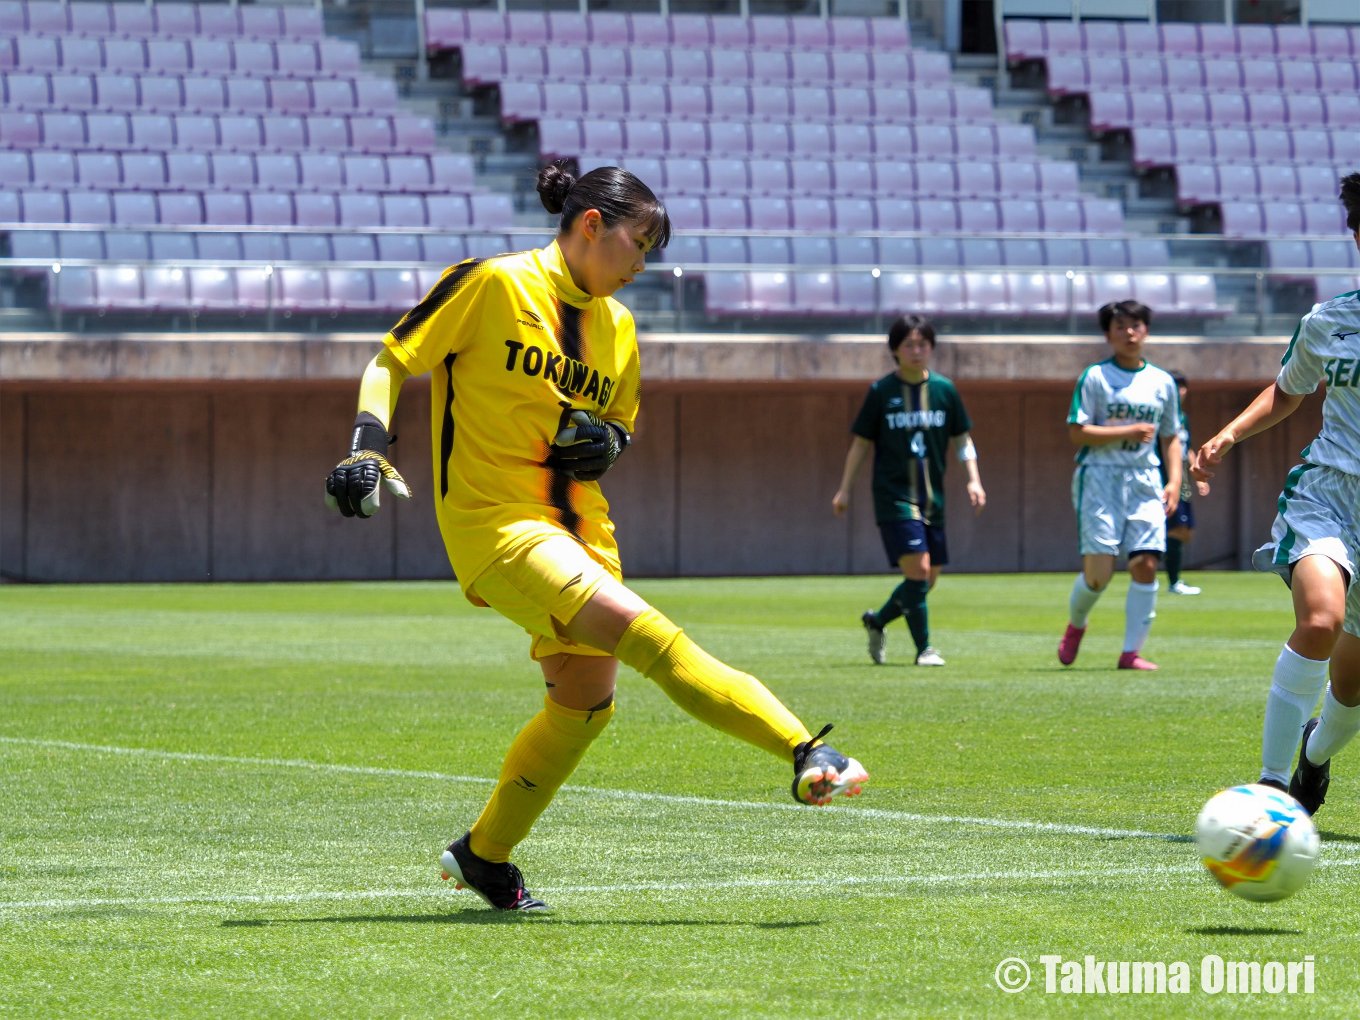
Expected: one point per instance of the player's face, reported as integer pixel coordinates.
(615, 255)
(1127, 336)
(914, 352)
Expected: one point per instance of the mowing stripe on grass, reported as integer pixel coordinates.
(592, 791)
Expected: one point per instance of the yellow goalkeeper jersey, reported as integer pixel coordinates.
(513, 347)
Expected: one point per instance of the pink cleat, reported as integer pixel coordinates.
(1071, 641)
(1132, 660)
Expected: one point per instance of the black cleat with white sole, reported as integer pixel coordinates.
(820, 772)
(501, 885)
(1308, 785)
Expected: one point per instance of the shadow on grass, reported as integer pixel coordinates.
(1338, 837)
(498, 917)
(1224, 929)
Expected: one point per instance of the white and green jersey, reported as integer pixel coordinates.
(1107, 394)
(1326, 348)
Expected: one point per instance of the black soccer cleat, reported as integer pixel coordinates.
(1274, 784)
(878, 641)
(501, 885)
(820, 772)
(1308, 785)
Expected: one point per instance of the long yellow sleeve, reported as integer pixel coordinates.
(381, 386)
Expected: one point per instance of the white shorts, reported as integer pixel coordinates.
(1319, 516)
(1119, 510)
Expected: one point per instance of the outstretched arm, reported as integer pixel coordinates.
(854, 460)
(967, 452)
(1271, 406)
(354, 485)
(381, 386)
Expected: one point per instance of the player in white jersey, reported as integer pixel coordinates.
(1315, 542)
(1120, 409)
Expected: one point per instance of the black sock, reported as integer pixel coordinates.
(1173, 559)
(913, 602)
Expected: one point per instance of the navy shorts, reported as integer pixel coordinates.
(1184, 517)
(911, 538)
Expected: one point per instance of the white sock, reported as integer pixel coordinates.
(1338, 724)
(1082, 600)
(1140, 609)
(1292, 698)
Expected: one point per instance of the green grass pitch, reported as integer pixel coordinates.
(227, 801)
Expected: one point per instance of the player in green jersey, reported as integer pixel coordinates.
(909, 420)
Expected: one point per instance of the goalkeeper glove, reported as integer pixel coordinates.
(354, 484)
(588, 447)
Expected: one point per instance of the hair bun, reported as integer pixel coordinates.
(554, 181)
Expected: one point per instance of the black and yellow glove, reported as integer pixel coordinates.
(588, 447)
(353, 486)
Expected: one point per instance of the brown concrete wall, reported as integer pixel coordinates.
(104, 482)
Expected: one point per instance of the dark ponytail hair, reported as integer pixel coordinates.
(616, 193)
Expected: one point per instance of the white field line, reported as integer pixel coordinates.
(604, 792)
(695, 886)
(1058, 876)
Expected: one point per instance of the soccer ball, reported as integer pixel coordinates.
(1257, 842)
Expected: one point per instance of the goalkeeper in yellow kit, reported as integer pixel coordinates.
(535, 385)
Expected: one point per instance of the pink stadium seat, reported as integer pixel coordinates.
(690, 138)
(567, 28)
(217, 20)
(974, 141)
(52, 170)
(98, 170)
(79, 54)
(90, 207)
(225, 208)
(444, 28)
(301, 289)
(403, 211)
(28, 91)
(975, 180)
(1139, 38)
(607, 63)
(1143, 74)
(528, 28)
(1323, 218)
(810, 176)
(42, 207)
(129, 56)
(1183, 73)
(194, 132)
(1066, 75)
(1017, 179)
(1260, 75)
(1062, 37)
(771, 293)
(1102, 215)
(107, 131)
(485, 26)
(853, 176)
(1101, 38)
(644, 137)
(1241, 219)
(1311, 146)
(204, 95)
(726, 293)
(447, 212)
(1020, 216)
(1255, 41)
(1228, 109)
(1276, 183)
(255, 59)
(1222, 75)
(270, 209)
(564, 63)
(1196, 184)
(524, 63)
(729, 32)
(1266, 109)
(900, 292)
(1014, 141)
(608, 28)
(180, 209)
(1196, 294)
(1024, 40)
(768, 32)
(46, 17)
(1106, 253)
(644, 101)
(247, 95)
(809, 68)
(650, 30)
(166, 289)
(815, 292)
(259, 21)
(930, 180)
(980, 251)
(1019, 251)
(985, 293)
(979, 217)
(160, 94)
(937, 216)
(942, 293)
(1217, 40)
(188, 170)
(166, 56)
(315, 210)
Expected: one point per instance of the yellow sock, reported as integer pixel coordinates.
(544, 754)
(726, 699)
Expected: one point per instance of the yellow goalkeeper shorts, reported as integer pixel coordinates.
(541, 585)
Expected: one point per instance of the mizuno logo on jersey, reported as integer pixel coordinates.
(569, 375)
(914, 419)
(1342, 371)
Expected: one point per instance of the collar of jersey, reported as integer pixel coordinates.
(556, 266)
